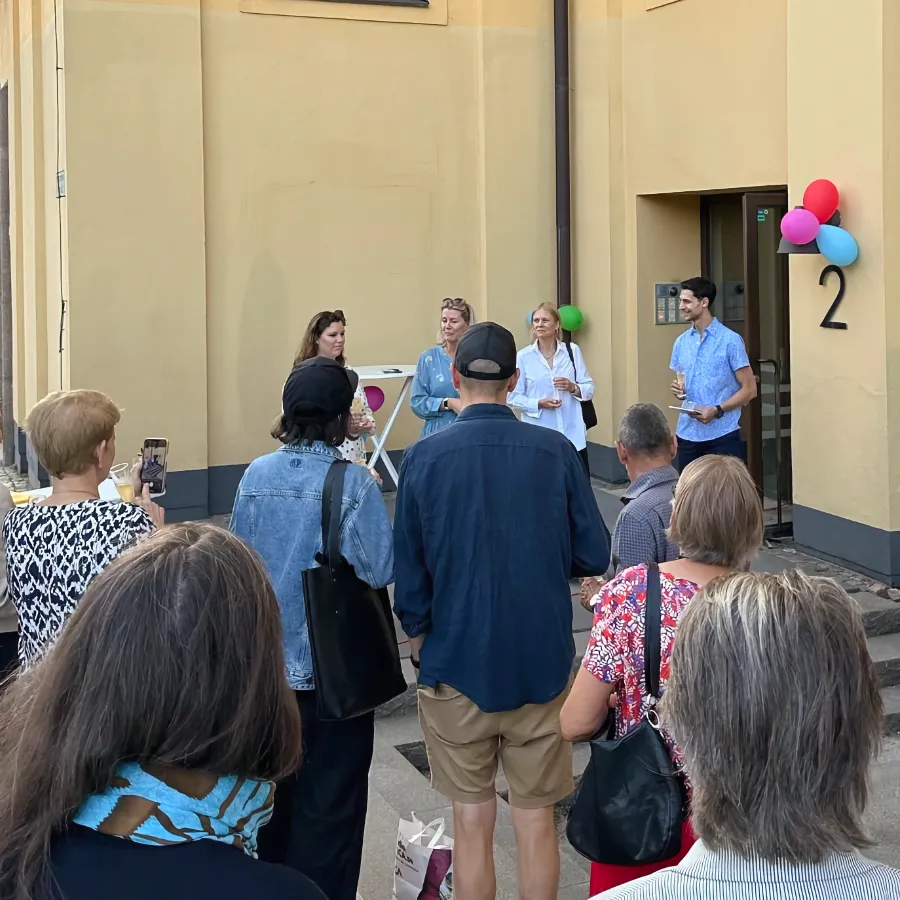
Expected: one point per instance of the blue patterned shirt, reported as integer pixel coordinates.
(709, 364)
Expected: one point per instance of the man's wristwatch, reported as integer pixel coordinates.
(443, 407)
(719, 412)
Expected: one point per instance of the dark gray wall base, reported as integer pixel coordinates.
(605, 464)
(223, 485)
(863, 548)
(21, 450)
(37, 474)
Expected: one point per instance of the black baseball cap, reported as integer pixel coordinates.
(486, 352)
(318, 390)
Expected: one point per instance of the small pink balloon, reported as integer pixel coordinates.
(375, 396)
(800, 226)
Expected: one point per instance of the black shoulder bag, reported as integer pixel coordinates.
(588, 412)
(351, 628)
(630, 807)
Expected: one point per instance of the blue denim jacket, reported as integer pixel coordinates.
(278, 512)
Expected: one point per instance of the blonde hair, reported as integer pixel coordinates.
(548, 307)
(66, 427)
(457, 304)
(716, 514)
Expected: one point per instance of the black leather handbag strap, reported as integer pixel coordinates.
(652, 629)
(332, 495)
(572, 357)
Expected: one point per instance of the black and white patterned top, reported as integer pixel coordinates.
(53, 552)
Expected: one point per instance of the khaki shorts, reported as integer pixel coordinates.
(465, 745)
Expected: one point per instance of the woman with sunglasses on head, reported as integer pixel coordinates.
(326, 336)
(433, 396)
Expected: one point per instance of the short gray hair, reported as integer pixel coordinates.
(645, 430)
(774, 703)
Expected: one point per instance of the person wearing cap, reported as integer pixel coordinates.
(493, 519)
(317, 825)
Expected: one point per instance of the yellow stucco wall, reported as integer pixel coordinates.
(234, 166)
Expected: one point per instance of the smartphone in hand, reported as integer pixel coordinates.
(154, 465)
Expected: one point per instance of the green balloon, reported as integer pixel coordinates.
(571, 317)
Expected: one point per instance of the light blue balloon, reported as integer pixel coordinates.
(529, 319)
(837, 245)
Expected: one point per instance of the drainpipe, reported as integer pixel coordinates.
(6, 341)
(563, 154)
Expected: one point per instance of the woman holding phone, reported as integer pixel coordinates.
(55, 547)
(326, 335)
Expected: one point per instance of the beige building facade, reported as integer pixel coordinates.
(231, 167)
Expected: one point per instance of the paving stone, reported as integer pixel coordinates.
(885, 653)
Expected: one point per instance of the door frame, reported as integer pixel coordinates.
(751, 200)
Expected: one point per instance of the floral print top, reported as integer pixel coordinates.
(615, 653)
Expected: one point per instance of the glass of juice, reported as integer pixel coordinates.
(121, 476)
(680, 380)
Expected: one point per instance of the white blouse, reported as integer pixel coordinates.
(536, 383)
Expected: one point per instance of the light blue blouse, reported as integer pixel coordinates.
(432, 384)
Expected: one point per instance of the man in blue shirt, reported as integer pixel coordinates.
(493, 519)
(718, 380)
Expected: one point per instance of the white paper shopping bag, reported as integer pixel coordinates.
(424, 864)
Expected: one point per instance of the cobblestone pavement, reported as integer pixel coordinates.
(9, 475)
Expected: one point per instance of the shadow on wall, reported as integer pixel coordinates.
(264, 312)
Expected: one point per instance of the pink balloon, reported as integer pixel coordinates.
(800, 226)
(375, 396)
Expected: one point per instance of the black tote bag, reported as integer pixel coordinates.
(351, 627)
(630, 807)
(588, 411)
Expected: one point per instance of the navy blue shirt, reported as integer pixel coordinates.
(493, 519)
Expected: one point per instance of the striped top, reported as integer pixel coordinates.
(708, 875)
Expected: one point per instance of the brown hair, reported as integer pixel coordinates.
(66, 427)
(457, 304)
(318, 325)
(788, 787)
(548, 307)
(173, 656)
(717, 515)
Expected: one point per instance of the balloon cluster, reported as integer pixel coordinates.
(570, 317)
(816, 226)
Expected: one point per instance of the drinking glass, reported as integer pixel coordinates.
(121, 476)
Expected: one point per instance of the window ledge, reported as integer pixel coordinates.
(416, 12)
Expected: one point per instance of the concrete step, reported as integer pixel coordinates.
(890, 696)
(885, 652)
(880, 616)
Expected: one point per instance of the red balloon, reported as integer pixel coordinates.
(821, 199)
(375, 396)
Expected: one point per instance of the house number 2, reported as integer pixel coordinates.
(828, 321)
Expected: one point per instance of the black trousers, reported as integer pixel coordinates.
(9, 653)
(584, 460)
(727, 445)
(320, 811)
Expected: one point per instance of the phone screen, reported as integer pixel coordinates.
(154, 459)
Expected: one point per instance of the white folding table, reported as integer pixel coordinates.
(384, 373)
